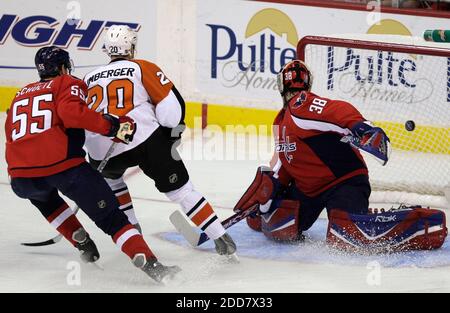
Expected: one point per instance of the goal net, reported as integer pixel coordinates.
(403, 88)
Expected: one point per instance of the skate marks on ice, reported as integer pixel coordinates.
(209, 266)
(253, 244)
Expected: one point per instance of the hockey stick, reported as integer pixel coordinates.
(58, 238)
(193, 235)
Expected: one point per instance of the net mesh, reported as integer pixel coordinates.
(407, 94)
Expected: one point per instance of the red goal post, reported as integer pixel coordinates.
(393, 83)
(368, 45)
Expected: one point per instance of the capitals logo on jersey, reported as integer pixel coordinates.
(286, 147)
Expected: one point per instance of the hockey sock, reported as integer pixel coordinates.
(126, 205)
(131, 242)
(65, 222)
(198, 210)
(202, 214)
(123, 196)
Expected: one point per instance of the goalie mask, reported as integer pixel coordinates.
(120, 40)
(294, 77)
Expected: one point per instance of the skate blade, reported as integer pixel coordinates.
(173, 278)
(166, 281)
(233, 258)
(98, 265)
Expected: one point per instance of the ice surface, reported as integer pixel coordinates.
(315, 251)
(265, 266)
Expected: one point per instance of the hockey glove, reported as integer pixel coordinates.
(261, 192)
(122, 128)
(372, 140)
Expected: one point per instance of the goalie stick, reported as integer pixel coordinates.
(58, 238)
(193, 235)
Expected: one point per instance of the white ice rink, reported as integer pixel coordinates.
(265, 266)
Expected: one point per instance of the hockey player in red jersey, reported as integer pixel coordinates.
(44, 151)
(315, 168)
(319, 166)
(152, 100)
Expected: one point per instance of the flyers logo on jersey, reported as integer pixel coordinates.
(41, 30)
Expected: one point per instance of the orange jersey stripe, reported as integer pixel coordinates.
(158, 86)
(203, 215)
(124, 199)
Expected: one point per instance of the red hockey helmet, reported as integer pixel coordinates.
(294, 77)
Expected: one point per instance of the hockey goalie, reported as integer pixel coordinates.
(319, 166)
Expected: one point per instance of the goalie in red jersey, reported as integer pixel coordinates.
(318, 162)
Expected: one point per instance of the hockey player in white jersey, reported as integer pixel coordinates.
(140, 90)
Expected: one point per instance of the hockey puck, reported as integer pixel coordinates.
(410, 126)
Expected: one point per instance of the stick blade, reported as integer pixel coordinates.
(43, 243)
(184, 227)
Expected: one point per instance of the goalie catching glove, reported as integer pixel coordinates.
(372, 140)
(276, 217)
(122, 128)
(261, 192)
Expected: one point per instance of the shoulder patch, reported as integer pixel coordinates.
(300, 100)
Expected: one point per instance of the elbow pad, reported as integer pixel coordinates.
(169, 111)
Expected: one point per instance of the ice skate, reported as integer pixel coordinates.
(155, 270)
(86, 246)
(226, 246)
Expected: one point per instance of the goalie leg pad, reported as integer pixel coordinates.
(403, 230)
(283, 223)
